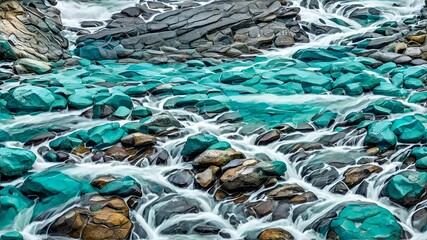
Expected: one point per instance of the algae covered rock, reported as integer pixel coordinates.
(15, 161)
(406, 188)
(12, 202)
(364, 222)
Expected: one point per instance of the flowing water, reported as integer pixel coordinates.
(212, 211)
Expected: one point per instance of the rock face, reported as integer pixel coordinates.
(31, 29)
(218, 30)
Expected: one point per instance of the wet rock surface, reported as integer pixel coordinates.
(225, 30)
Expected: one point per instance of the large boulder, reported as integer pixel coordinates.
(406, 188)
(30, 99)
(31, 29)
(15, 161)
(53, 189)
(105, 219)
(197, 144)
(380, 135)
(364, 222)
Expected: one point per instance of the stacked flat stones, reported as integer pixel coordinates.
(31, 29)
(219, 30)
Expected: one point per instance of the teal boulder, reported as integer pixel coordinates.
(380, 135)
(418, 97)
(28, 65)
(123, 187)
(66, 143)
(113, 102)
(15, 161)
(312, 54)
(197, 144)
(222, 145)
(105, 135)
(53, 188)
(12, 236)
(324, 120)
(408, 129)
(121, 113)
(364, 222)
(30, 99)
(406, 188)
(12, 202)
(141, 112)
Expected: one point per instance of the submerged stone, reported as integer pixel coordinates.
(15, 161)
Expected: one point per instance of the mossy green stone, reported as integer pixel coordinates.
(12, 236)
(365, 222)
(15, 161)
(12, 202)
(197, 144)
(53, 189)
(380, 135)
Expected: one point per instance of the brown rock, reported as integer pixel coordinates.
(260, 209)
(244, 177)
(207, 177)
(356, 175)
(217, 157)
(139, 140)
(275, 234)
(110, 222)
(418, 38)
(291, 193)
(118, 153)
(101, 181)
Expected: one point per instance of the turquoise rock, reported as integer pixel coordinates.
(386, 107)
(418, 97)
(353, 89)
(386, 67)
(12, 236)
(380, 135)
(413, 83)
(29, 99)
(4, 136)
(105, 135)
(6, 51)
(12, 202)
(320, 54)
(197, 144)
(114, 102)
(406, 188)
(141, 112)
(15, 161)
(60, 103)
(195, 63)
(365, 222)
(397, 80)
(66, 143)
(421, 163)
(123, 187)
(408, 129)
(388, 89)
(121, 112)
(324, 120)
(355, 117)
(81, 99)
(222, 145)
(189, 89)
(134, 127)
(419, 152)
(53, 189)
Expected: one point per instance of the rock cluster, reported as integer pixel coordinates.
(31, 30)
(218, 30)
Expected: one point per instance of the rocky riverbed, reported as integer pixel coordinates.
(213, 120)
